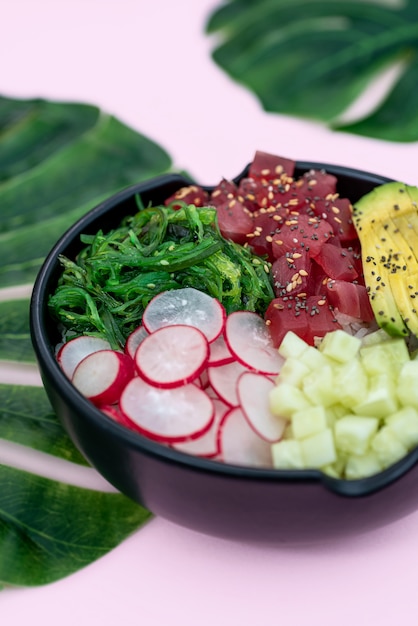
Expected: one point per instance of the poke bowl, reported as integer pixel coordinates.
(207, 493)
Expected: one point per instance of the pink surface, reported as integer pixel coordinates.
(149, 63)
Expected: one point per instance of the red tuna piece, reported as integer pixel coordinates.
(226, 190)
(235, 221)
(269, 166)
(286, 313)
(292, 275)
(337, 262)
(317, 184)
(193, 194)
(339, 213)
(307, 317)
(301, 232)
(351, 299)
(321, 318)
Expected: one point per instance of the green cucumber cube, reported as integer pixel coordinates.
(404, 423)
(340, 346)
(353, 433)
(313, 358)
(387, 446)
(333, 413)
(285, 399)
(287, 454)
(377, 336)
(384, 358)
(293, 372)
(381, 399)
(362, 466)
(407, 390)
(292, 345)
(308, 422)
(318, 450)
(318, 386)
(350, 383)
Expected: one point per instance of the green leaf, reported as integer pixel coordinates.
(49, 530)
(26, 418)
(57, 160)
(30, 131)
(314, 58)
(15, 342)
(386, 122)
(92, 156)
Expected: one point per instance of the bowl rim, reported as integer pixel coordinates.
(45, 355)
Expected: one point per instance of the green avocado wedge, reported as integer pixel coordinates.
(386, 220)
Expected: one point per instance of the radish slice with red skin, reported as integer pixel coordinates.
(204, 379)
(208, 444)
(187, 306)
(249, 340)
(136, 337)
(219, 353)
(253, 393)
(75, 350)
(102, 376)
(224, 381)
(239, 443)
(113, 411)
(172, 356)
(167, 415)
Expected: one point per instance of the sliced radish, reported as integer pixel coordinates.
(188, 307)
(249, 340)
(224, 381)
(102, 376)
(219, 352)
(253, 393)
(239, 443)
(172, 356)
(204, 379)
(208, 444)
(167, 414)
(136, 337)
(74, 351)
(113, 411)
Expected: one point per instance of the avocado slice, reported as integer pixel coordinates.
(386, 220)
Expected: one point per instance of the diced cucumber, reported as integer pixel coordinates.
(387, 446)
(384, 358)
(318, 386)
(340, 346)
(362, 466)
(292, 345)
(287, 454)
(319, 449)
(353, 433)
(285, 399)
(334, 412)
(308, 422)
(313, 358)
(293, 372)
(352, 410)
(377, 336)
(404, 423)
(407, 390)
(381, 399)
(350, 383)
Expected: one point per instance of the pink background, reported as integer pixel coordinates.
(149, 63)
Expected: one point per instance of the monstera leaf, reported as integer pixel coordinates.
(314, 58)
(57, 160)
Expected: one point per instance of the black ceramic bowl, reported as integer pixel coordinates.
(208, 496)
